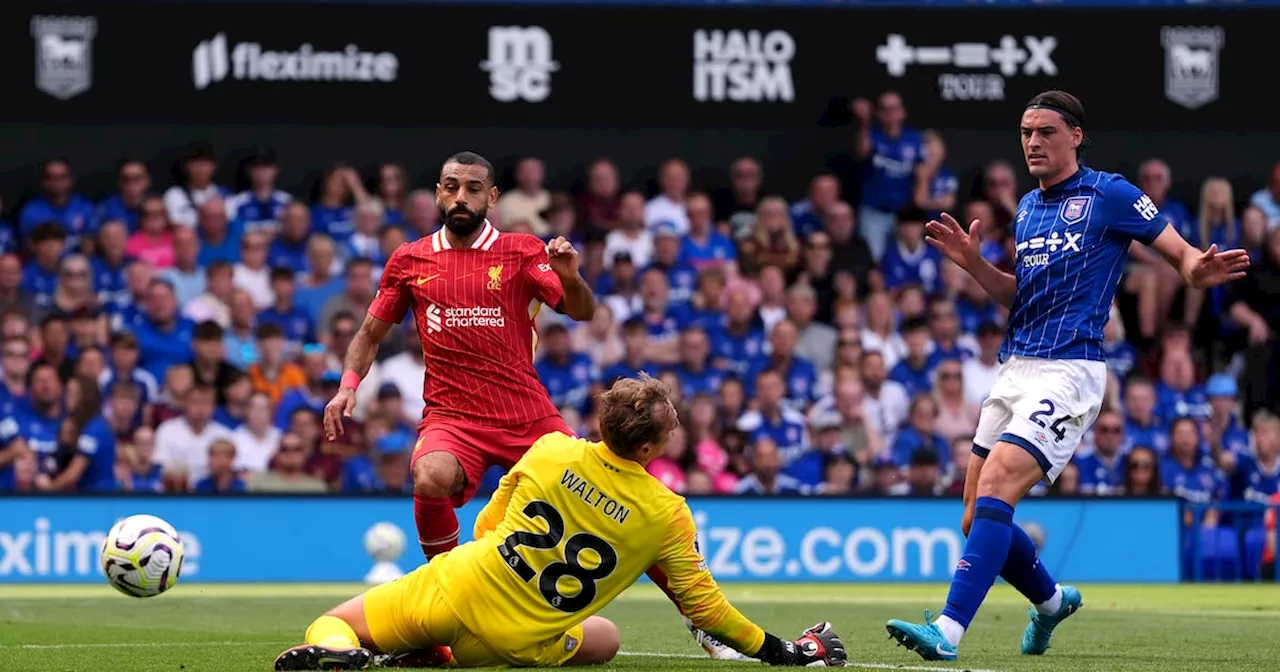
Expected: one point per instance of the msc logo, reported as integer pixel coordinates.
(519, 63)
(495, 277)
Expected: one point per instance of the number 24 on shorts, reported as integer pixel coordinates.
(571, 567)
(1049, 411)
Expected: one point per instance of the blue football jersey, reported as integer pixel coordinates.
(1072, 243)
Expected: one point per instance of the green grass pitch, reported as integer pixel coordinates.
(223, 628)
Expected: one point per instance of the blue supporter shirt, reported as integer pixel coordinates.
(1176, 214)
(805, 219)
(163, 348)
(891, 180)
(97, 444)
(568, 384)
(1200, 484)
(941, 354)
(674, 319)
(901, 266)
(109, 282)
(944, 183)
(800, 377)
(112, 208)
(683, 280)
(10, 403)
(1172, 404)
(292, 401)
(147, 384)
(298, 326)
(706, 381)
(224, 418)
(1072, 244)
(1154, 436)
(126, 317)
(284, 254)
(622, 370)
(717, 251)
(358, 475)
(972, 315)
(337, 223)
(1253, 483)
(8, 237)
(209, 486)
(151, 481)
(41, 434)
(257, 214)
(908, 440)
(228, 250)
(311, 300)
(76, 217)
(1099, 476)
(1235, 438)
(809, 468)
(10, 429)
(1121, 358)
(39, 283)
(916, 381)
(736, 350)
(788, 432)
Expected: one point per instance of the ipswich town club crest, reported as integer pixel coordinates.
(64, 54)
(1191, 64)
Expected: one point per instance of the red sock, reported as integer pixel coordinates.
(437, 525)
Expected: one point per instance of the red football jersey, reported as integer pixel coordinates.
(474, 309)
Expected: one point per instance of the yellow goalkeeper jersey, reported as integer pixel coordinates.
(571, 526)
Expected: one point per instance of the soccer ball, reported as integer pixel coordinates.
(384, 542)
(142, 556)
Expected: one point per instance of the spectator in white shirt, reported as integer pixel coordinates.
(1268, 200)
(183, 201)
(885, 401)
(527, 201)
(252, 274)
(668, 207)
(631, 236)
(405, 371)
(182, 443)
(215, 303)
(879, 332)
(257, 439)
(980, 372)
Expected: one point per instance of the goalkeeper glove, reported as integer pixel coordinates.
(819, 646)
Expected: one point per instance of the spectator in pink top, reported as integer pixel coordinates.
(153, 242)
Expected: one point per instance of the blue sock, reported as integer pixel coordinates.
(1024, 571)
(984, 555)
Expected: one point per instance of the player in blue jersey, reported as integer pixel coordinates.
(1072, 239)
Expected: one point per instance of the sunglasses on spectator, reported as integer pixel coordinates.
(75, 273)
(1141, 464)
(849, 344)
(1109, 429)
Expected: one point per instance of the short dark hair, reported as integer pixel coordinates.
(123, 339)
(207, 331)
(219, 266)
(633, 412)
(268, 330)
(634, 324)
(912, 214)
(916, 323)
(1061, 101)
(124, 388)
(282, 273)
(204, 389)
(360, 261)
(48, 231)
(471, 159)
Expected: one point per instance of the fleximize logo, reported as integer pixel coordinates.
(212, 61)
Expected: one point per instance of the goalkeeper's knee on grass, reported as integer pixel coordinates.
(332, 632)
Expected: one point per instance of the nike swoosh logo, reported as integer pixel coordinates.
(941, 651)
(429, 278)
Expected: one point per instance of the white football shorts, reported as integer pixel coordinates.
(1044, 406)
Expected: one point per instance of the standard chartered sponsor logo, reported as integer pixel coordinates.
(477, 316)
(44, 551)
(821, 552)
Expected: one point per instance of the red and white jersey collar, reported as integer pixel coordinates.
(488, 236)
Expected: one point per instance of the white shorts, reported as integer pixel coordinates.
(1043, 406)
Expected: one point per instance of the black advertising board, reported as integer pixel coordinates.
(444, 65)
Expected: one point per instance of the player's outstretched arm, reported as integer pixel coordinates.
(360, 355)
(682, 573)
(1200, 270)
(965, 249)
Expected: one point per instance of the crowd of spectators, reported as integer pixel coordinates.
(185, 338)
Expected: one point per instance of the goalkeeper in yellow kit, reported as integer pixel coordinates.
(570, 527)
